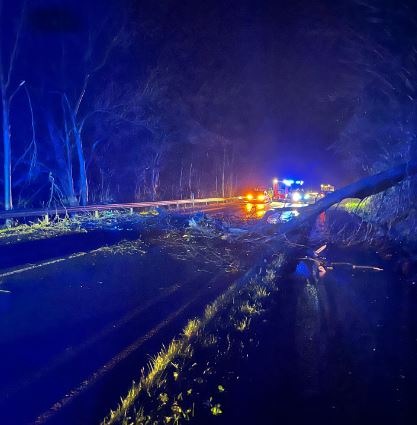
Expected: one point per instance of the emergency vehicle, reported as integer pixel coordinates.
(326, 188)
(257, 196)
(288, 190)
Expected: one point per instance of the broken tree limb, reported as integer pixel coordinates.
(290, 240)
(361, 189)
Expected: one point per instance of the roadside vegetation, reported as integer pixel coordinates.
(386, 216)
(43, 228)
(188, 378)
(39, 229)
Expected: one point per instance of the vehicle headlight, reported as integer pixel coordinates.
(306, 196)
(296, 197)
(261, 197)
(249, 196)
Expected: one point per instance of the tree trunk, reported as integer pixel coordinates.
(361, 189)
(299, 228)
(181, 181)
(190, 180)
(223, 171)
(7, 160)
(217, 189)
(82, 168)
(70, 191)
(83, 182)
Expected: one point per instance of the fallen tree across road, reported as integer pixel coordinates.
(186, 380)
(174, 388)
(297, 231)
(361, 189)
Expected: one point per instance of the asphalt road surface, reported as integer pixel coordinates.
(78, 323)
(75, 329)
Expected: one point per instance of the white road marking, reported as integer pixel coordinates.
(39, 265)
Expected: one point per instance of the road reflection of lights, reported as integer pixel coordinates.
(257, 210)
(249, 207)
(282, 216)
(260, 210)
(296, 196)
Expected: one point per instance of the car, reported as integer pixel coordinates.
(257, 197)
(326, 188)
(311, 197)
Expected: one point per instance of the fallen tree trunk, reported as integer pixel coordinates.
(361, 189)
(291, 238)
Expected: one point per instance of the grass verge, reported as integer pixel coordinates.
(186, 379)
(77, 223)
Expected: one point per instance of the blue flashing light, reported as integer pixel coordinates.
(288, 182)
(300, 182)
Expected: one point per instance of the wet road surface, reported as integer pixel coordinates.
(78, 326)
(343, 351)
(79, 320)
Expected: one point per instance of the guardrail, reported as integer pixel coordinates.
(48, 212)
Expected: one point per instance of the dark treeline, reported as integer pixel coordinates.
(102, 102)
(126, 100)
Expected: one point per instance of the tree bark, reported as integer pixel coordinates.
(7, 160)
(83, 182)
(223, 171)
(82, 168)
